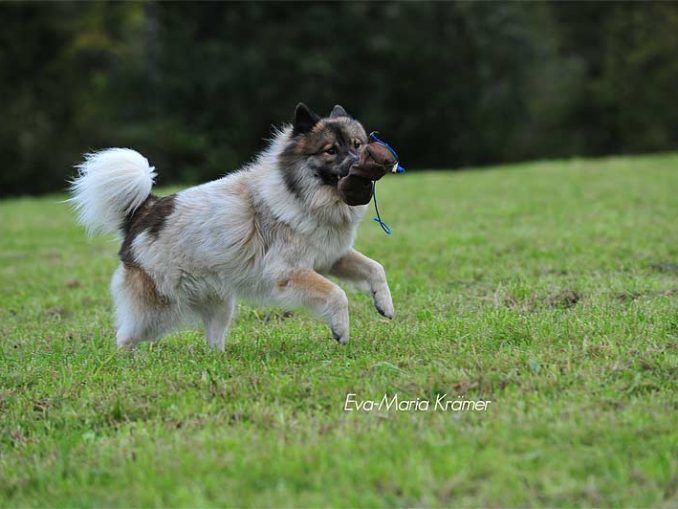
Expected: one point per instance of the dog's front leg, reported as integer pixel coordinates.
(311, 290)
(357, 267)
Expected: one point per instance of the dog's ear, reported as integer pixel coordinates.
(304, 119)
(338, 111)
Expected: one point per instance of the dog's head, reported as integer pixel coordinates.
(320, 151)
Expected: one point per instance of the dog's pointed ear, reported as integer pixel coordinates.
(304, 119)
(338, 111)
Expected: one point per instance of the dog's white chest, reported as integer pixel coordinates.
(324, 250)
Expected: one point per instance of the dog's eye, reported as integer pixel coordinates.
(357, 144)
(331, 151)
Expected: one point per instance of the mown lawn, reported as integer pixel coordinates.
(550, 289)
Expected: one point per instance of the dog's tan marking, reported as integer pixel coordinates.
(353, 266)
(239, 187)
(315, 287)
(140, 284)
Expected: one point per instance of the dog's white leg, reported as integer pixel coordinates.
(126, 338)
(317, 293)
(142, 314)
(357, 267)
(138, 322)
(217, 320)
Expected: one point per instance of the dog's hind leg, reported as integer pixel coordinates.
(217, 317)
(142, 313)
(317, 293)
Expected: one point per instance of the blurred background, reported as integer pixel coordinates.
(196, 87)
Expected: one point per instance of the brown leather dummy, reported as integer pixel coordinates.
(375, 161)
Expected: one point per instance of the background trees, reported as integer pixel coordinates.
(196, 87)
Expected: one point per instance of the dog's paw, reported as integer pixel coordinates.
(341, 338)
(384, 304)
(390, 314)
(338, 321)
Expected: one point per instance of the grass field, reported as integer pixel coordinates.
(550, 289)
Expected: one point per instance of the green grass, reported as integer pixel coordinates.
(550, 289)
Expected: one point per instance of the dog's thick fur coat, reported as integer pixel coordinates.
(267, 233)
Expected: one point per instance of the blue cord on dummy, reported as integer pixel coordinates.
(396, 169)
(384, 226)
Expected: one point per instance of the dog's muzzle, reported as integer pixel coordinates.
(351, 160)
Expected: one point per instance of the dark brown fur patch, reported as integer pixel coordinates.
(151, 217)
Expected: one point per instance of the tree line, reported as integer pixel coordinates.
(196, 87)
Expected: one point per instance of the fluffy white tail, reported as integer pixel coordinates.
(110, 185)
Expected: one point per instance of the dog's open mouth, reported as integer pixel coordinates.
(328, 179)
(331, 179)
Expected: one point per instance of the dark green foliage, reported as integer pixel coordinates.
(196, 86)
